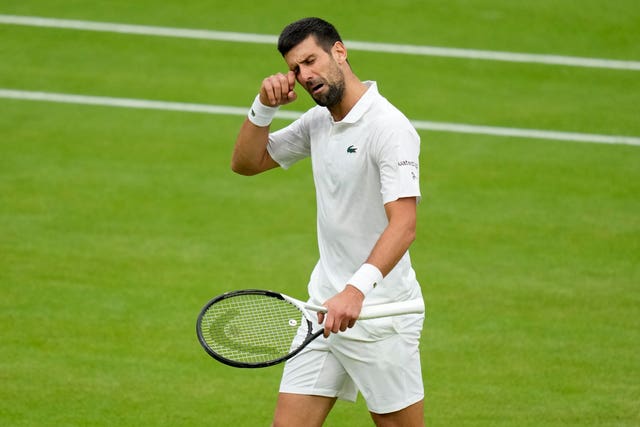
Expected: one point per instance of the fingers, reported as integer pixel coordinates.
(278, 89)
(291, 78)
(343, 310)
(334, 324)
(328, 326)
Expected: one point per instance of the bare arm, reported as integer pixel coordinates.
(250, 155)
(344, 308)
(397, 237)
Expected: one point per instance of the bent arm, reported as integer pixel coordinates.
(250, 155)
(344, 308)
(397, 237)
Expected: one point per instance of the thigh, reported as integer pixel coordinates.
(294, 410)
(317, 372)
(411, 416)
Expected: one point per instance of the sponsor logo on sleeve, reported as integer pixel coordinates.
(408, 163)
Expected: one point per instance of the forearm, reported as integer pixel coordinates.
(393, 243)
(250, 155)
(391, 246)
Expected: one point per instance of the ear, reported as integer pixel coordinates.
(339, 52)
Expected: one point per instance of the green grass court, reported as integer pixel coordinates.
(117, 225)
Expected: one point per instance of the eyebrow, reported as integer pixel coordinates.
(305, 60)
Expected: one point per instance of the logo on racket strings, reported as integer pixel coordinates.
(293, 322)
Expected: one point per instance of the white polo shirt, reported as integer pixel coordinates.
(360, 163)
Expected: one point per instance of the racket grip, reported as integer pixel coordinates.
(380, 310)
(316, 308)
(392, 309)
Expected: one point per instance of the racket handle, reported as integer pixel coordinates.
(381, 310)
(392, 309)
(316, 308)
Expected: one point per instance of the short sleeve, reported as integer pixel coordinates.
(398, 160)
(290, 144)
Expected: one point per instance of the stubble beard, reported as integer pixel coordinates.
(335, 92)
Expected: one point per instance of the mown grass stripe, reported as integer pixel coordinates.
(547, 59)
(241, 111)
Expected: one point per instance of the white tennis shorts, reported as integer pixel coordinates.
(380, 358)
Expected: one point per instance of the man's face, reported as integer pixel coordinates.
(317, 71)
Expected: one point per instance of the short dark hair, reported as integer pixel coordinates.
(325, 34)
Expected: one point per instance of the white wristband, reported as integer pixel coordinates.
(366, 278)
(260, 114)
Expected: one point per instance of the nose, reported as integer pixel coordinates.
(304, 75)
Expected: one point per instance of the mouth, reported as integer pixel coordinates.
(315, 88)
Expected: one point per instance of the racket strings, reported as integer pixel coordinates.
(251, 328)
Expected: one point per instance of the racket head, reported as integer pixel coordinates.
(252, 328)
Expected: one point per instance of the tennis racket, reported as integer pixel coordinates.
(253, 328)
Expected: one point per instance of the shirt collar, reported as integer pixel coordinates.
(363, 103)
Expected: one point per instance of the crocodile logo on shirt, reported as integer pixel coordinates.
(352, 149)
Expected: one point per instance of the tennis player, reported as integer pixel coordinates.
(364, 155)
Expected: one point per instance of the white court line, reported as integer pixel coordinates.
(241, 111)
(571, 61)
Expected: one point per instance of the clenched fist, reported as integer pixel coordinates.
(278, 90)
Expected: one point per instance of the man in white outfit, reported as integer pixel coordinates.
(364, 155)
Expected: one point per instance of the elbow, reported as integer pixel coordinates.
(251, 165)
(410, 235)
(242, 169)
(237, 167)
(409, 232)
(242, 165)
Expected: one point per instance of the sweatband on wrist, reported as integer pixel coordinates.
(366, 278)
(260, 114)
